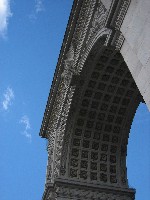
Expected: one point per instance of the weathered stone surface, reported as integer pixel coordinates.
(136, 48)
(102, 71)
(107, 3)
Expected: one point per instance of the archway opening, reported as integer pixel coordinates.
(138, 159)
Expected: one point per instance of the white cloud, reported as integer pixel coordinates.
(39, 7)
(8, 98)
(5, 14)
(26, 122)
(27, 135)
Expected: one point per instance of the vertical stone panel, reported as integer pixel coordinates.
(136, 48)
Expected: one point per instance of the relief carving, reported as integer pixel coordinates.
(98, 21)
(77, 193)
(60, 134)
(121, 13)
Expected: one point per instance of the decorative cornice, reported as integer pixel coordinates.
(56, 80)
(75, 190)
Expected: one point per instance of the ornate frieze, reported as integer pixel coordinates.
(82, 27)
(121, 13)
(55, 132)
(119, 41)
(69, 68)
(65, 193)
(61, 131)
(98, 21)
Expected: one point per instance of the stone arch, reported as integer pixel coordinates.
(101, 111)
(89, 113)
(92, 150)
(103, 106)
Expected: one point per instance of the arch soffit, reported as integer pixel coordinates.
(128, 100)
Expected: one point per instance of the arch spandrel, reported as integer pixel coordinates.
(93, 107)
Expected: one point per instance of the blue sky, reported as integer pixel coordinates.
(31, 34)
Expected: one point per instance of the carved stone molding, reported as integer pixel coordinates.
(82, 27)
(53, 129)
(56, 140)
(62, 90)
(98, 21)
(61, 131)
(61, 191)
(119, 41)
(121, 13)
(69, 68)
(86, 194)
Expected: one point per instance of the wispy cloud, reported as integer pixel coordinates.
(5, 14)
(26, 122)
(38, 7)
(8, 98)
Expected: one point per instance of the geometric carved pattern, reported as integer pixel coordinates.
(106, 97)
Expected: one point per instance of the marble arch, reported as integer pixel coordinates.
(92, 102)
